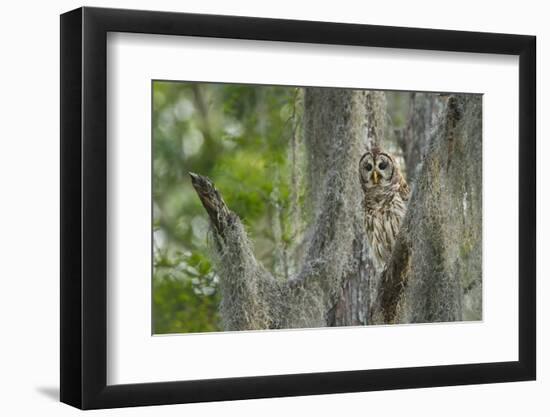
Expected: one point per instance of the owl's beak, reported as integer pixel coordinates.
(375, 177)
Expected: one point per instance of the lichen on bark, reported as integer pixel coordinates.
(414, 138)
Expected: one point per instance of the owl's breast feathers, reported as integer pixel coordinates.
(385, 208)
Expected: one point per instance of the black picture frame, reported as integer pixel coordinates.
(84, 207)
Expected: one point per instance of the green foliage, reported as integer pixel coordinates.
(178, 307)
(239, 136)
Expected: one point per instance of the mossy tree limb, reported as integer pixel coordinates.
(435, 271)
(252, 298)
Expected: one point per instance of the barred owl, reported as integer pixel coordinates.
(385, 202)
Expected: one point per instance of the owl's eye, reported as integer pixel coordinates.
(369, 166)
(382, 165)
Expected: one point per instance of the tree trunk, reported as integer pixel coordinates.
(251, 297)
(414, 139)
(359, 290)
(434, 274)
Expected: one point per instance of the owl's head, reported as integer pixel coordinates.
(376, 170)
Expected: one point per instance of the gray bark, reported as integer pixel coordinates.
(435, 271)
(414, 139)
(375, 121)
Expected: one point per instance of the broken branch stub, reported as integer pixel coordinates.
(212, 201)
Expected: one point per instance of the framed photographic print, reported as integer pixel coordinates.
(257, 208)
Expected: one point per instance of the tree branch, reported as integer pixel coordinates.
(251, 297)
(213, 203)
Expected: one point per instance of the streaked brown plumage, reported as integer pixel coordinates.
(386, 194)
